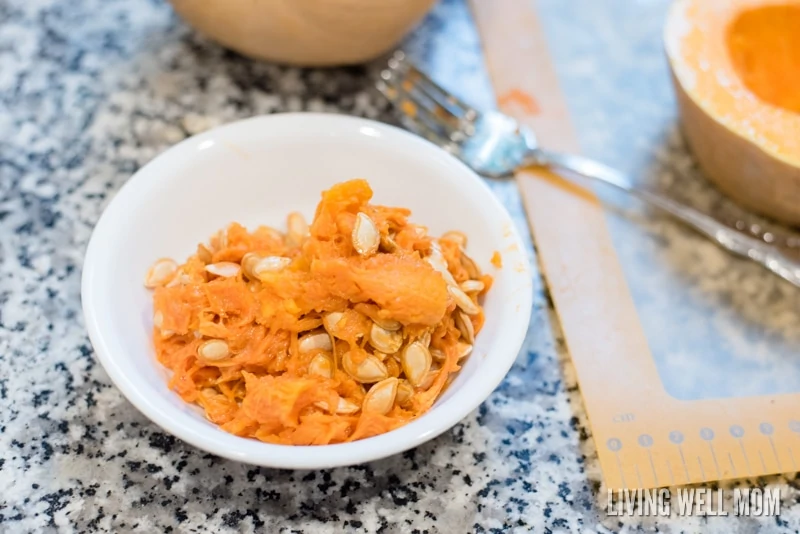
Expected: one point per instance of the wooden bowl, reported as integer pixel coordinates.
(305, 32)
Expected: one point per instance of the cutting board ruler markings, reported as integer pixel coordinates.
(655, 453)
(680, 456)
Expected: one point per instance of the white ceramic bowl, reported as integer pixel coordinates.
(255, 171)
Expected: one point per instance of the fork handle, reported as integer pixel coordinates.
(724, 236)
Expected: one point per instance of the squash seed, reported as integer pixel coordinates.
(438, 355)
(343, 407)
(297, 228)
(465, 326)
(220, 241)
(214, 349)
(248, 262)
(368, 371)
(457, 237)
(346, 407)
(373, 312)
(203, 254)
(439, 264)
(180, 279)
(161, 272)
(404, 392)
(416, 362)
(470, 266)
(270, 264)
(321, 365)
(464, 349)
(318, 341)
(472, 286)
(380, 398)
(272, 233)
(331, 320)
(425, 338)
(384, 340)
(463, 301)
(223, 269)
(366, 237)
(428, 379)
(388, 324)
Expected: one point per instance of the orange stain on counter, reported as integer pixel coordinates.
(409, 108)
(565, 184)
(521, 99)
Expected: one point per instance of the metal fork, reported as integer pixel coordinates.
(495, 145)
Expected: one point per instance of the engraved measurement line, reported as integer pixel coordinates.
(646, 441)
(621, 472)
(683, 461)
(714, 456)
(638, 475)
(614, 445)
(733, 466)
(671, 476)
(775, 453)
(767, 429)
(653, 467)
(737, 432)
(702, 471)
(761, 457)
(791, 457)
(676, 437)
(746, 459)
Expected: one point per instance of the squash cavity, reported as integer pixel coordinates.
(764, 46)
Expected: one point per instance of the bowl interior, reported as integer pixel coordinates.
(255, 172)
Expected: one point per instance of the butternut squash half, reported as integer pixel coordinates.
(736, 69)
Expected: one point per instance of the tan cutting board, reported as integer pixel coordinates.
(645, 437)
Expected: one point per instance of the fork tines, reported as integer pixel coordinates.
(425, 106)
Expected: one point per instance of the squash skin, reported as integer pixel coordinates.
(740, 168)
(306, 33)
(738, 165)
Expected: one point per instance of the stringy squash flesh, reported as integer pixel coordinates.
(334, 331)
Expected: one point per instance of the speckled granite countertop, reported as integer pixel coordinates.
(90, 90)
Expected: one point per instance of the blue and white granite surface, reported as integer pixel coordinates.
(91, 90)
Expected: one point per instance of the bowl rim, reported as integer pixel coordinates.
(255, 452)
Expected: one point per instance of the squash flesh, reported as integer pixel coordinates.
(764, 45)
(261, 383)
